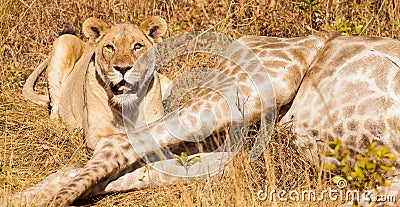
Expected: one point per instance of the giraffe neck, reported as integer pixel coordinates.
(243, 84)
(286, 60)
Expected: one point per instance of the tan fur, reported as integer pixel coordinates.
(79, 77)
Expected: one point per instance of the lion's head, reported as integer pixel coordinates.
(118, 48)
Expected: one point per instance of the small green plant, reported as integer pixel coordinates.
(16, 75)
(347, 27)
(147, 170)
(4, 169)
(310, 6)
(314, 9)
(186, 162)
(369, 170)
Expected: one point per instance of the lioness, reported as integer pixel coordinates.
(87, 80)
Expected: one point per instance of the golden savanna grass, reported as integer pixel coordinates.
(31, 147)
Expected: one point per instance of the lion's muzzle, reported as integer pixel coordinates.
(124, 87)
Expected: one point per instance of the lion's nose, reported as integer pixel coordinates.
(122, 69)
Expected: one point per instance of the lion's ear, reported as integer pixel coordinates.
(94, 28)
(155, 28)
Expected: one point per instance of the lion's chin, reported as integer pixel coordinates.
(124, 99)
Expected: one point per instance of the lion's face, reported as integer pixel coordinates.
(118, 49)
(116, 55)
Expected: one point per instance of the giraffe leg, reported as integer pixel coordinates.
(42, 193)
(161, 173)
(133, 179)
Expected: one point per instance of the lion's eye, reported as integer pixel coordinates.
(137, 46)
(110, 48)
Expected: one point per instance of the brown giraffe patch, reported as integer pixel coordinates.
(252, 65)
(314, 133)
(282, 55)
(352, 125)
(223, 64)
(394, 143)
(263, 54)
(348, 111)
(218, 113)
(391, 47)
(341, 57)
(322, 70)
(271, 73)
(364, 108)
(249, 56)
(260, 78)
(374, 127)
(255, 50)
(355, 90)
(299, 55)
(215, 98)
(330, 137)
(277, 46)
(306, 44)
(305, 114)
(379, 73)
(351, 140)
(236, 69)
(257, 104)
(245, 89)
(250, 44)
(237, 55)
(293, 77)
(394, 123)
(364, 141)
(242, 77)
(339, 130)
(221, 77)
(107, 154)
(373, 106)
(208, 105)
(296, 40)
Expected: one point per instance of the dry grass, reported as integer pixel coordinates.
(32, 148)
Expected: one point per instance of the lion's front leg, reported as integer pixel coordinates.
(67, 49)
